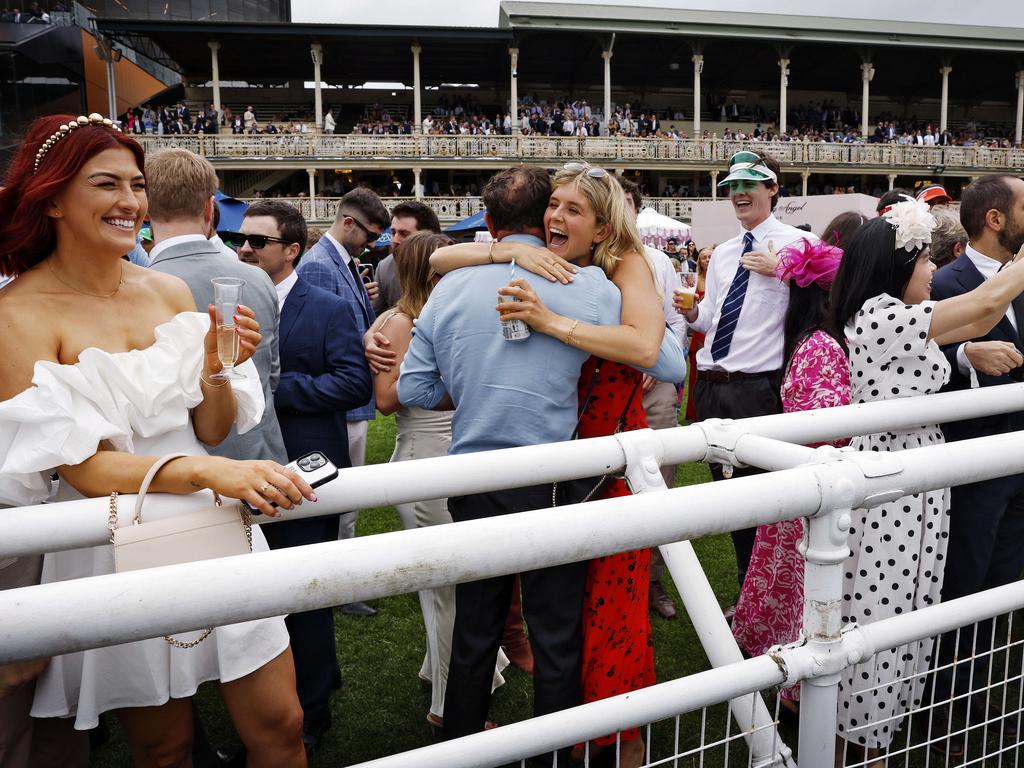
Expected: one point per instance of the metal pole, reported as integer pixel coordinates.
(698, 68)
(417, 103)
(215, 73)
(643, 458)
(825, 549)
(1020, 108)
(783, 82)
(867, 74)
(316, 51)
(944, 105)
(83, 523)
(607, 56)
(111, 86)
(513, 90)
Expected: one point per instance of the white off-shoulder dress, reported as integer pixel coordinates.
(139, 401)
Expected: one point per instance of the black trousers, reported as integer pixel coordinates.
(986, 531)
(312, 633)
(552, 606)
(756, 396)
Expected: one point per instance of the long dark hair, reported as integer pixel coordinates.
(870, 267)
(807, 312)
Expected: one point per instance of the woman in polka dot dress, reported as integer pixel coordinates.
(893, 331)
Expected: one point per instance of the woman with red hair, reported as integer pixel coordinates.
(107, 366)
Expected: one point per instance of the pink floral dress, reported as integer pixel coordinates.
(770, 607)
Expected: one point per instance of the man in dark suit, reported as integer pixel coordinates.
(181, 186)
(986, 518)
(330, 265)
(323, 375)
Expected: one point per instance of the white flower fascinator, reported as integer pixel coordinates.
(913, 224)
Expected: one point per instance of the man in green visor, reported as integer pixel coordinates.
(739, 369)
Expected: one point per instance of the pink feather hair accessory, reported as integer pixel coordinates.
(815, 263)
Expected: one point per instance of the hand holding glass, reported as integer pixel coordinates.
(227, 295)
(686, 293)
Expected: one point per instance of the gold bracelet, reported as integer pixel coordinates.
(569, 338)
(490, 251)
(210, 383)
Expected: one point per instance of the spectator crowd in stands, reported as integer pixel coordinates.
(35, 14)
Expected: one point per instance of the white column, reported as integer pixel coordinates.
(944, 105)
(804, 176)
(892, 180)
(783, 82)
(513, 90)
(867, 74)
(607, 56)
(1020, 106)
(698, 68)
(316, 50)
(714, 185)
(312, 182)
(416, 183)
(417, 96)
(215, 73)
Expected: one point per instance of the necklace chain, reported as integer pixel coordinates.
(120, 281)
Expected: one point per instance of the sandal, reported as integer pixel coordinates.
(436, 721)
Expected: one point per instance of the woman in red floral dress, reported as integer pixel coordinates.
(770, 607)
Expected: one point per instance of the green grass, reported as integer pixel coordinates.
(381, 707)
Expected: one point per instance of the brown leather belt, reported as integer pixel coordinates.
(724, 377)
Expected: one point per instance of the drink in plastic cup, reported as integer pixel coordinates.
(686, 293)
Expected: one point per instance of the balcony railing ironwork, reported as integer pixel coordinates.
(698, 153)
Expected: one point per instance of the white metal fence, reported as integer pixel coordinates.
(822, 485)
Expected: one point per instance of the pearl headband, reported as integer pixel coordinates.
(93, 119)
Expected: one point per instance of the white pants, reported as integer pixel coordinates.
(357, 455)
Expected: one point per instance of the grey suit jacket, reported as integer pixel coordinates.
(390, 289)
(197, 263)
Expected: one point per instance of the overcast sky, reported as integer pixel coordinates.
(484, 13)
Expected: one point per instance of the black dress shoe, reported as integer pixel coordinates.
(945, 737)
(995, 721)
(313, 733)
(357, 609)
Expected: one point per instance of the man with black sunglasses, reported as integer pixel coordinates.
(330, 265)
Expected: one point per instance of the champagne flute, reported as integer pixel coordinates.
(227, 294)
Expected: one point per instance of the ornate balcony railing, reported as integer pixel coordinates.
(694, 152)
(321, 210)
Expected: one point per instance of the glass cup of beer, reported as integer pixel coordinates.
(686, 293)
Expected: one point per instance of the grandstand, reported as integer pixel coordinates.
(947, 91)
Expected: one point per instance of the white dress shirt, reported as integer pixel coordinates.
(284, 288)
(987, 267)
(668, 283)
(345, 257)
(758, 340)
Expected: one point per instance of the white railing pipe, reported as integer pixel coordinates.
(60, 617)
(73, 524)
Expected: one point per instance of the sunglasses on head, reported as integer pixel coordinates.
(256, 242)
(591, 171)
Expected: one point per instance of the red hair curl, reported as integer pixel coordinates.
(27, 233)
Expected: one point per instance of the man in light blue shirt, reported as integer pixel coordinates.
(510, 394)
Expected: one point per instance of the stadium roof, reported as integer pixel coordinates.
(768, 27)
(352, 54)
(560, 46)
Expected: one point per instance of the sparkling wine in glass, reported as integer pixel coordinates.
(227, 295)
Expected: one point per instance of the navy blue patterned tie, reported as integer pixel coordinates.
(733, 305)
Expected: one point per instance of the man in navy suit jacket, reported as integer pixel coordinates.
(330, 264)
(323, 375)
(986, 518)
